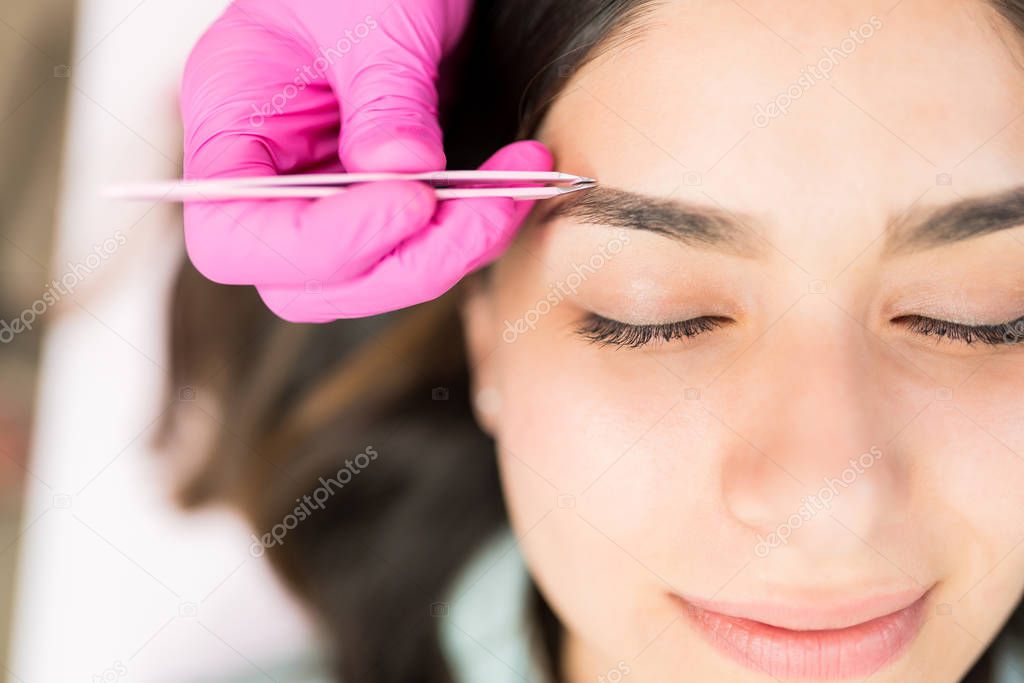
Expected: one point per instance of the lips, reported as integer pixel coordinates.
(851, 644)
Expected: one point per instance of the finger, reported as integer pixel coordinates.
(301, 241)
(470, 233)
(464, 235)
(242, 111)
(387, 89)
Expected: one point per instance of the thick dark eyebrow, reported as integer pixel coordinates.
(972, 217)
(698, 226)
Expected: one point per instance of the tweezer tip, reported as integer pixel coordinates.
(573, 179)
(576, 187)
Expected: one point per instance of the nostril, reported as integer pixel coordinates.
(751, 512)
(832, 510)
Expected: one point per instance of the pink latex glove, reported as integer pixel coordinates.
(299, 86)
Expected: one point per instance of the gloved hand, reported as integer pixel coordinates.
(300, 86)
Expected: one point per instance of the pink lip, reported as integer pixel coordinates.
(825, 643)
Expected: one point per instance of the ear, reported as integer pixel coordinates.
(480, 329)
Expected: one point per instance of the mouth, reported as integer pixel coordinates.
(819, 643)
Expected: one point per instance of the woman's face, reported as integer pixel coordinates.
(799, 468)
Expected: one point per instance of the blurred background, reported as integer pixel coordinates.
(102, 577)
(35, 38)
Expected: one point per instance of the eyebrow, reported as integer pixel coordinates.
(963, 220)
(712, 228)
(695, 225)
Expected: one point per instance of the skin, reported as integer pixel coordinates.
(632, 474)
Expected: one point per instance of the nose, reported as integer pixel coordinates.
(811, 414)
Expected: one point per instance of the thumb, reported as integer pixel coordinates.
(481, 229)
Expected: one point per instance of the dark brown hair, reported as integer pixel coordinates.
(273, 407)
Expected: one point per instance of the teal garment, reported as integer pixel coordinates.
(486, 631)
(1010, 660)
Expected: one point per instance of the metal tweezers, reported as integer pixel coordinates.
(447, 184)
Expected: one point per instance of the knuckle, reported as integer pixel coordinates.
(285, 305)
(445, 280)
(206, 259)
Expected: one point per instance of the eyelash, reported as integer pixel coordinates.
(606, 332)
(1005, 334)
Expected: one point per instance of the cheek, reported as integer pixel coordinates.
(604, 480)
(971, 452)
(585, 418)
(969, 472)
(568, 410)
(970, 504)
(584, 499)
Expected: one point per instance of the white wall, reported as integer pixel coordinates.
(111, 574)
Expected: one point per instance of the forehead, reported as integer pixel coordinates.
(876, 105)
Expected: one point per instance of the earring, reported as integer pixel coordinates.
(487, 401)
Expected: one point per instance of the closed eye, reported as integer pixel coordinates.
(606, 332)
(1000, 334)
